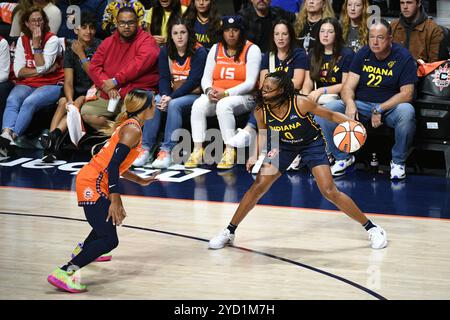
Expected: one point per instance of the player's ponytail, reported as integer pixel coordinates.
(135, 101)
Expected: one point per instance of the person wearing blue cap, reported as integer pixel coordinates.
(230, 76)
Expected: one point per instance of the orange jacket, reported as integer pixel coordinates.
(424, 41)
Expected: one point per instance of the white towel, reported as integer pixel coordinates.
(75, 124)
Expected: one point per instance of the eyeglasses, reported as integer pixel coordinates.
(130, 23)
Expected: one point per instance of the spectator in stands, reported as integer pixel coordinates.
(147, 4)
(96, 7)
(205, 20)
(181, 65)
(77, 82)
(51, 10)
(6, 17)
(124, 61)
(240, 4)
(329, 63)
(283, 55)
(288, 5)
(112, 10)
(378, 89)
(417, 32)
(162, 15)
(230, 76)
(354, 18)
(307, 24)
(258, 20)
(39, 72)
(5, 64)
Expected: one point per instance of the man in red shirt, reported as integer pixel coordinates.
(124, 61)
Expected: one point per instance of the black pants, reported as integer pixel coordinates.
(5, 89)
(103, 237)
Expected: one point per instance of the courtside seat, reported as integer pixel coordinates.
(444, 49)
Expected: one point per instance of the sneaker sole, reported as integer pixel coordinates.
(216, 248)
(191, 166)
(61, 285)
(347, 170)
(382, 247)
(225, 167)
(103, 259)
(49, 159)
(229, 243)
(160, 166)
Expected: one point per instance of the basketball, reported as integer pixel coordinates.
(349, 136)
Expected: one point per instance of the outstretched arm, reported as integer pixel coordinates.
(306, 105)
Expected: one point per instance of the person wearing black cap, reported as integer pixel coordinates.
(258, 19)
(97, 187)
(230, 76)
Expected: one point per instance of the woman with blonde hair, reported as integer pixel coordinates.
(306, 26)
(354, 18)
(97, 188)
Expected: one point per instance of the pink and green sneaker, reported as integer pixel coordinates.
(66, 281)
(103, 258)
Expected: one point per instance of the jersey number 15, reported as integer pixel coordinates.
(227, 73)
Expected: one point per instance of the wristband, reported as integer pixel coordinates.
(83, 61)
(115, 81)
(38, 51)
(325, 90)
(377, 110)
(226, 93)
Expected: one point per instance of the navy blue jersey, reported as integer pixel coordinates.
(295, 129)
(201, 30)
(329, 78)
(298, 60)
(381, 80)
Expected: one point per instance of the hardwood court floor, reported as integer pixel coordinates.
(281, 253)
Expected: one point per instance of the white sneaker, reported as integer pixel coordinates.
(397, 171)
(241, 139)
(377, 237)
(142, 158)
(295, 164)
(340, 166)
(219, 241)
(163, 160)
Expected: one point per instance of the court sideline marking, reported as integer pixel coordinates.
(302, 209)
(299, 264)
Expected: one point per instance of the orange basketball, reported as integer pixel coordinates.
(349, 136)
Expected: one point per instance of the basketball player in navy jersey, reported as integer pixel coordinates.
(279, 109)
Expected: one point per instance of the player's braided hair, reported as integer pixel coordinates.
(284, 81)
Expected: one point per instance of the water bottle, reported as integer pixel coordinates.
(374, 163)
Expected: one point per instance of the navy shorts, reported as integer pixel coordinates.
(313, 154)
